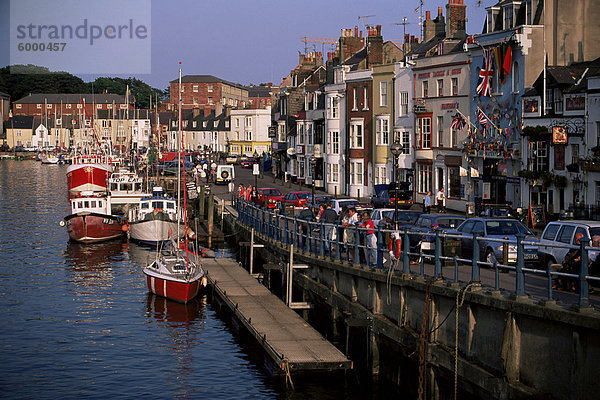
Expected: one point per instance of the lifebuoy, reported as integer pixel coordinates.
(224, 174)
(395, 240)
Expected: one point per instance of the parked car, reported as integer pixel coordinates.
(338, 204)
(268, 197)
(384, 218)
(561, 233)
(496, 228)
(296, 199)
(170, 167)
(224, 174)
(4, 147)
(246, 164)
(387, 195)
(429, 223)
(231, 159)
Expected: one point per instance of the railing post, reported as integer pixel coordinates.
(296, 240)
(405, 251)
(584, 299)
(475, 275)
(323, 239)
(438, 252)
(286, 233)
(336, 243)
(378, 248)
(520, 290)
(356, 245)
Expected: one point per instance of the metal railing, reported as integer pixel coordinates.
(329, 241)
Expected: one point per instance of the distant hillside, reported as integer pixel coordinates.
(34, 79)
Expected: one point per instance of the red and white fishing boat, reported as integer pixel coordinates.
(90, 220)
(88, 173)
(176, 274)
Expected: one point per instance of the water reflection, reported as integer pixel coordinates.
(181, 335)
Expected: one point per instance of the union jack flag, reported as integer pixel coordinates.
(458, 122)
(484, 83)
(482, 118)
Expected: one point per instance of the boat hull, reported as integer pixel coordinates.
(93, 228)
(154, 231)
(88, 177)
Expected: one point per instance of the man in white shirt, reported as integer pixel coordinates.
(440, 199)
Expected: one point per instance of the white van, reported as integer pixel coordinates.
(225, 174)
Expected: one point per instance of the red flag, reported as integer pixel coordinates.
(507, 64)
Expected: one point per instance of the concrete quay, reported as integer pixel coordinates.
(407, 328)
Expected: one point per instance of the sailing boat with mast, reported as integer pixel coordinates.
(176, 274)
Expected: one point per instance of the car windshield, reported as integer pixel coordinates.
(449, 222)
(506, 228)
(271, 192)
(303, 195)
(402, 216)
(400, 194)
(348, 203)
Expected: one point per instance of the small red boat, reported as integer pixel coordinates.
(88, 173)
(175, 276)
(91, 221)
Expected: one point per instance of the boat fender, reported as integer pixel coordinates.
(395, 240)
(62, 223)
(125, 227)
(204, 281)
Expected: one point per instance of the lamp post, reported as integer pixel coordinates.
(396, 150)
(313, 162)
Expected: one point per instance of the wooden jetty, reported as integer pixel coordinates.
(291, 343)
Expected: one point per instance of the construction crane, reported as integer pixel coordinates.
(309, 39)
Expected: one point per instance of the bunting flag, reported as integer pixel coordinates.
(474, 172)
(458, 122)
(484, 83)
(482, 118)
(499, 62)
(507, 63)
(463, 171)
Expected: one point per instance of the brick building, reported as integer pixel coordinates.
(207, 93)
(67, 104)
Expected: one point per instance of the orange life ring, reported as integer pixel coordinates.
(398, 242)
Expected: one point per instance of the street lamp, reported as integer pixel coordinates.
(313, 162)
(396, 150)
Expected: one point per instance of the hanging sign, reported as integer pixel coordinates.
(559, 135)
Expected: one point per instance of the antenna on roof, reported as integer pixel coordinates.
(403, 23)
(420, 11)
(366, 17)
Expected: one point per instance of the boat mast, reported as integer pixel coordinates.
(179, 165)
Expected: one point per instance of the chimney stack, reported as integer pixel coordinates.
(456, 13)
(375, 46)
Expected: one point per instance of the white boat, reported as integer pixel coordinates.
(155, 220)
(49, 159)
(125, 190)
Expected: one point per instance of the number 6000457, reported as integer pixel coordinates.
(50, 46)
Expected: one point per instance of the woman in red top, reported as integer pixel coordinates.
(371, 240)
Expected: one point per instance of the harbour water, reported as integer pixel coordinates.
(77, 321)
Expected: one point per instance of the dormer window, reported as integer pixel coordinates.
(508, 16)
(492, 14)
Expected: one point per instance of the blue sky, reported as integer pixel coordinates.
(252, 41)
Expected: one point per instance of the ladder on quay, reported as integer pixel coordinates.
(291, 343)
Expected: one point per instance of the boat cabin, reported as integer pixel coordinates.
(89, 203)
(158, 202)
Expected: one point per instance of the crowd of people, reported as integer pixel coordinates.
(338, 229)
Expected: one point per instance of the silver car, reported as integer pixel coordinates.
(497, 228)
(563, 233)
